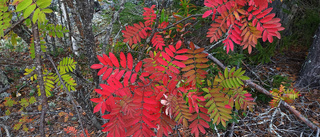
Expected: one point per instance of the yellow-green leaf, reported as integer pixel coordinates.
(47, 10)
(23, 5)
(35, 15)
(43, 3)
(29, 10)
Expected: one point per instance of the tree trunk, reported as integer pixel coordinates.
(310, 72)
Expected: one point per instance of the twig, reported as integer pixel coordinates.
(110, 26)
(225, 37)
(6, 129)
(215, 128)
(13, 26)
(172, 25)
(68, 93)
(264, 91)
(254, 74)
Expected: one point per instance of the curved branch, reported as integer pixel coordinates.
(266, 92)
(13, 26)
(6, 129)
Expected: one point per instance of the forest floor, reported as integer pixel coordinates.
(263, 121)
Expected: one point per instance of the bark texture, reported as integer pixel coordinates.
(310, 72)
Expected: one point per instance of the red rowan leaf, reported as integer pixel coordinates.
(97, 108)
(181, 57)
(123, 60)
(96, 66)
(179, 64)
(107, 59)
(106, 75)
(133, 78)
(138, 66)
(207, 13)
(101, 71)
(178, 45)
(130, 61)
(162, 62)
(114, 59)
(102, 60)
(169, 52)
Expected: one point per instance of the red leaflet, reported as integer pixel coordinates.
(96, 66)
(123, 60)
(138, 66)
(102, 60)
(169, 52)
(178, 45)
(162, 62)
(227, 106)
(106, 58)
(106, 75)
(181, 57)
(133, 77)
(166, 56)
(97, 107)
(172, 48)
(261, 3)
(130, 61)
(101, 71)
(114, 59)
(179, 64)
(207, 13)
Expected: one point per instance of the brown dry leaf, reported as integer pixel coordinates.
(40, 107)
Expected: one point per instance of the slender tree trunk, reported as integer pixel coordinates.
(38, 70)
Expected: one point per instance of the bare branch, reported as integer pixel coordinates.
(6, 128)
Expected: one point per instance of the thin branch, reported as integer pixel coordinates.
(221, 40)
(13, 26)
(6, 128)
(38, 70)
(266, 92)
(110, 26)
(172, 25)
(68, 93)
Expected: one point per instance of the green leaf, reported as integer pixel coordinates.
(8, 112)
(23, 5)
(24, 102)
(32, 100)
(17, 126)
(35, 15)
(47, 10)
(42, 17)
(29, 10)
(9, 102)
(43, 3)
(244, 78)
(226, 73)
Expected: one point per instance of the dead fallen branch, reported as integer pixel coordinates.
(266, 92)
